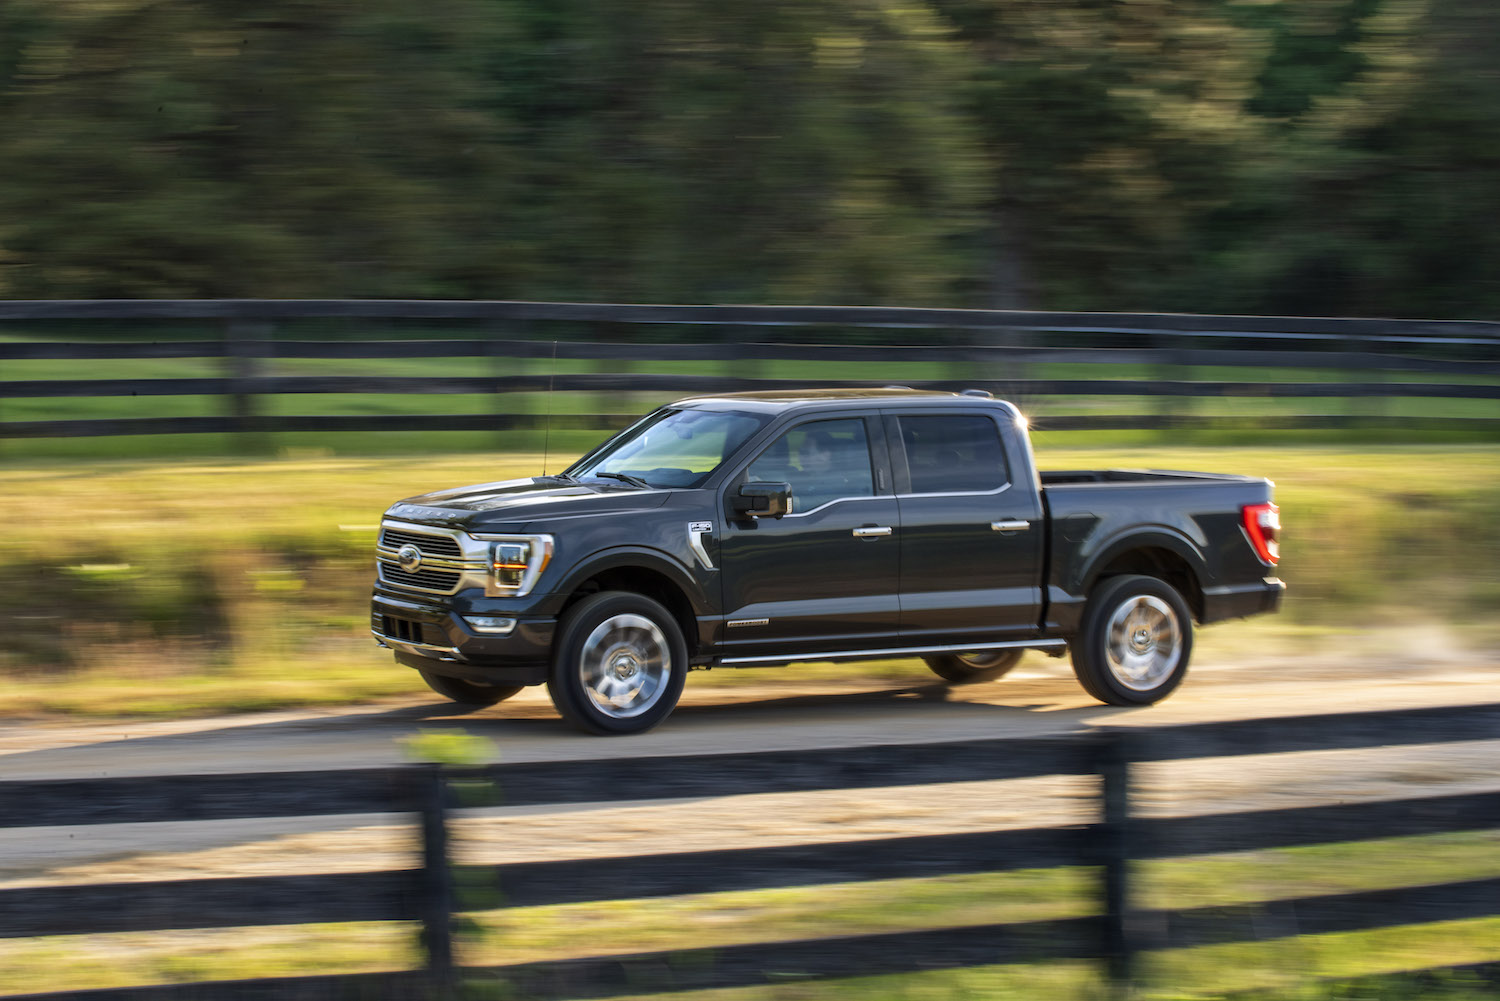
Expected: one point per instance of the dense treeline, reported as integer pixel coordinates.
(1306, 156)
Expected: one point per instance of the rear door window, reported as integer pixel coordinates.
(953, 453)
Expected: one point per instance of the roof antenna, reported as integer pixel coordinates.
(547, 433)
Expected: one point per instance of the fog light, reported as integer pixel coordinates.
(490, 624)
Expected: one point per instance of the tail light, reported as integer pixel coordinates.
(1263, 527)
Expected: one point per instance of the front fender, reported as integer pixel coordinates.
(627, 557)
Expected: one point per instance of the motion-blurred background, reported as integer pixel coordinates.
(1326, 157)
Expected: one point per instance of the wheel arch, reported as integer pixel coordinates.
(1166, 557)
(644, 572)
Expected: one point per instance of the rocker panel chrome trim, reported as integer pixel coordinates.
(788, 658)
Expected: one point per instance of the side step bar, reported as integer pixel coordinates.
(904, 651)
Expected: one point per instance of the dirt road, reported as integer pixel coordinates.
(1040, 697)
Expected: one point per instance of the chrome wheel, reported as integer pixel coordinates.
(981, 660)
(625, 665)
(1143, 642)
(973, 665)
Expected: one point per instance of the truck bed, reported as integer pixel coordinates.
(1059, 477)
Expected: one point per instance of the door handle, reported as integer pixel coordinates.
(1009, 526)
(872, 531)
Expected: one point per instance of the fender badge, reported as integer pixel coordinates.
(696, 531)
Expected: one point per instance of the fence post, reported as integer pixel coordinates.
(437, 880)
(242, 352)
(1113, 847)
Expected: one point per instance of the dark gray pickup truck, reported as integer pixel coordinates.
(766, 528)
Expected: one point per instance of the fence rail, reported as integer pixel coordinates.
(427, 894)
(1002, 351)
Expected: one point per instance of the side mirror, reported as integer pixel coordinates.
(763, 500)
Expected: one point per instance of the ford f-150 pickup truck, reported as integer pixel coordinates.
(756, 529)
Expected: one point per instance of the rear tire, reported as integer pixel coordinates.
(1135, 642)
(468, 693)
(972, 668)
(618, 664)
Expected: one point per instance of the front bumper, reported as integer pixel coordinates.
(434, 638)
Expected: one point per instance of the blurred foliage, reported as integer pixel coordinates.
(449, 747)
(1303, 156)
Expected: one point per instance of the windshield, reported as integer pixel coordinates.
(670, 448)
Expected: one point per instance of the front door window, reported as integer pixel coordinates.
(824, 461)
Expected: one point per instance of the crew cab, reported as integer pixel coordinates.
(756, 529)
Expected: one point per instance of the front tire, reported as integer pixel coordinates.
(618, 664)
(974, 667)
(1135, 643)
(468, 693)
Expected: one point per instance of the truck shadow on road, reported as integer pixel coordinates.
(929, 710)
(710, 717)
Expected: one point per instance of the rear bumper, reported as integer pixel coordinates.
(435, 639)
(1221, 603)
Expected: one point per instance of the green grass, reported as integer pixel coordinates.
(701, 923)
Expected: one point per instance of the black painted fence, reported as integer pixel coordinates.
(427, 894)
(1371, 361)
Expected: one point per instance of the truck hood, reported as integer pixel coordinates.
(514, 501)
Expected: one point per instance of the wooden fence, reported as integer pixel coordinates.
(1365, 363)
(428, 894)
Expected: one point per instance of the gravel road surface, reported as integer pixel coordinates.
(1039, 698)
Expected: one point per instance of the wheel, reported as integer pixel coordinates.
(618, 664)
(469, 693)
(1135, 642)
(979, 665)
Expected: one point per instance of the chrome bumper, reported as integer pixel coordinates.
(430, 650)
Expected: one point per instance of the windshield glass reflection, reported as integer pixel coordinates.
(670, 448)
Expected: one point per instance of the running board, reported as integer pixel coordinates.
(903, 651)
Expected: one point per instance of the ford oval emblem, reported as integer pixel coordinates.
(409, 558)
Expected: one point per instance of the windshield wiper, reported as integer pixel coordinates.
(634, 481)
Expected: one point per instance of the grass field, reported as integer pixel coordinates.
(179, 587)
(1283, 968)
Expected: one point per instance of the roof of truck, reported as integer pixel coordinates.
(781, 400)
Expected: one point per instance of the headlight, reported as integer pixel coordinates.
(510, 563)
(515, 564)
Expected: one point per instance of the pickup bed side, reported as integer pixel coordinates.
(1183, 528)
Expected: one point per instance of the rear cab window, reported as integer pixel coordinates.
(952, 453)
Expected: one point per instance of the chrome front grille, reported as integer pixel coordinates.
(431, 545)
(446, 566)
(438, 581)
